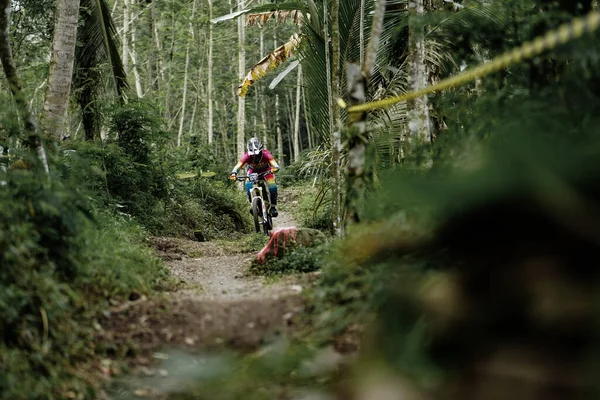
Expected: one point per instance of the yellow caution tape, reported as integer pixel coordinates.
(564, 34)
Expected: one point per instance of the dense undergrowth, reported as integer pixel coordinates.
(74, 244)
(63, 261)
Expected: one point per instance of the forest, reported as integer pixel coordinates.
(427, 228)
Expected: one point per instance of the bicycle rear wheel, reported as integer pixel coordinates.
(257, 213)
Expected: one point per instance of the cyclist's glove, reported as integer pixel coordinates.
(274, 169)
(233, 176)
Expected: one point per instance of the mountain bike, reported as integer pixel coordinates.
(261, 201)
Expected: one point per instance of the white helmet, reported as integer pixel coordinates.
(255, 147)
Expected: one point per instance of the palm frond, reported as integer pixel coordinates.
(293, 65)
(280, 17)
(269, 63)
(287, 6)
(313, 53)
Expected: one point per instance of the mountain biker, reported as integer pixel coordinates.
(259, 160)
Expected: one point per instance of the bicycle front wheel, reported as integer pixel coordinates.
(257, 213)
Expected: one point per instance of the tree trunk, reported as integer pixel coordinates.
(61, 67)
(290, 112)
(307, 122)
(186, 76)
(125, 51)
(297, 121)
(362, 30)
(241, 117)
(136, 73)
(170, 66)
(263, 107)
(34, 140)
(210, 74)
(279, 134)
(419, 127)
(158, 48)
(336, 142)
(359, 175)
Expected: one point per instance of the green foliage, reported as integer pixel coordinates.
(59, 267)
(253, 242)
(133, 172)
(314, 208)
(213, 207)
(299, 260)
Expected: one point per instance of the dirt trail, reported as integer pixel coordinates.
(217, 305)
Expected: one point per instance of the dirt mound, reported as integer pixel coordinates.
(198, 325)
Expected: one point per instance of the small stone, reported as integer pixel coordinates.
(296, 288)
(160, 356)
(250, 325)
(141, 393)
(288, 316)
(189, 341)
(147, 371)
(163, 372)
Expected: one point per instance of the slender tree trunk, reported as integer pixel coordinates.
(263, 109)
(186, 76)
(34, 139)
(279, 134)
(297, 121)
(290, 112)
(125, 43)
(327, 37)
(61, 67)
(362, 31)
(210, 74)
(306, 119)
(157, 47)
(224, 130)
(170, 66)
(282, 161)
(241, 117)
(419, 127)
(359, 175)
(136, 73)
(336, 141)
(263, 117)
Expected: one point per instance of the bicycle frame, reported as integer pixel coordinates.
(260, 190)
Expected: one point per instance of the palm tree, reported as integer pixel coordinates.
(79, 69)
(61, 67)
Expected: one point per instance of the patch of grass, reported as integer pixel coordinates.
(195, 254)
(254, 242)
(299, 260)
(313, 209)
(272, 279)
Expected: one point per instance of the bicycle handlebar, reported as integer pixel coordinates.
(243, 178)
